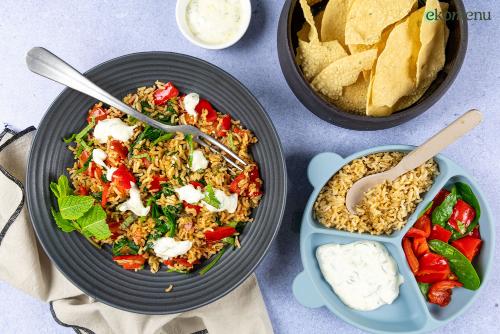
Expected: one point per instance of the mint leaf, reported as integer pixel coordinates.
(210, 198)
(93, 223)
(73, 207)
(64, 224)
(61, 188)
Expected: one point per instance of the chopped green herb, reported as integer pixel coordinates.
(61, 188)
(210, 198)
(141, 156)
(70, 139)
(216, 259)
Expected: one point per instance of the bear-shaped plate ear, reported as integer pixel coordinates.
(322, 167)
(305, 292)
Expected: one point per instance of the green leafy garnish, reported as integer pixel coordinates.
(93, 223)
(61, 188)
(171, 213)
(148, 133)
(229, 240)
(167, 189)
(70, 139)
(73, 207)
(189, 140)
(64, 224)
(210, 198)
(78, 212)
(145, 105)
(212, 263)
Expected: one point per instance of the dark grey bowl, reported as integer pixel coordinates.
(92, 269)
(290, 23)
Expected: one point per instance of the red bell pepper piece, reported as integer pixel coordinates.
(178, 260)
(225, 125)
(130, 262)
(156, 182)
(420, 246)
(122, 178)
(410, 256)
(162, 95)
(234, 186)
(82, 191)
(440, 292)
(83, 158)
(98, 114)
(219, 233)
(440, 233)
(105, 193)
(462, 212)
(424, 223)
(415, 233)
(443, 193)
(119, 148)
(432, 268)
(197, 208)
(95, 171)
(475, 233)
(205, 105)
(196, 184)
(468, 246)
(114, 227)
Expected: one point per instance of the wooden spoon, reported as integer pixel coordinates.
(415, 158)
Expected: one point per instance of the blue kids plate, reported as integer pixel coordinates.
(409, 313)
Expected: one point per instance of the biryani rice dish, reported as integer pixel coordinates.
(386, 207)
(167, 200)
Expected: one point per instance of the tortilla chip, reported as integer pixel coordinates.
(314, 56)
(343, 72)
(411, 99)
(303, 33)
(353, 98)
(431, 57)
(368, 18)
(317, 22)
(334, 20)
(395, 71)
(313, 34)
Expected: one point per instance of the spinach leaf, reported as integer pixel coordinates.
(85, 130)
(64, 224)
(466, 194)
(149, 133)
(216, 259)
(167, 189)
(210, 198)
(442, 213)
(189, 140)
(171, 214)
(93, 223)
(73, 207)
(145, 105)
(125, 246)
(164, 137)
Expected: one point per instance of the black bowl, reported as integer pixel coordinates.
(291, 21)
(92, 269)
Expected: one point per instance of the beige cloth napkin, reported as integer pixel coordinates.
(28, 269)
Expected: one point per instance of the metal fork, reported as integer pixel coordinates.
(43, 62)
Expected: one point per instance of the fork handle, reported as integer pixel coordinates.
(45, 63)
(438, 142)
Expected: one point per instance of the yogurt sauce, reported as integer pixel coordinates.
(168, 248)
(114, 128)
(362, 274)
(192, 195)
(214, 21)
(191, 100)
(134, 203)
(98, 156)
(199, 161)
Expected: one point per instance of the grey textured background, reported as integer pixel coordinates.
(88, 32)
